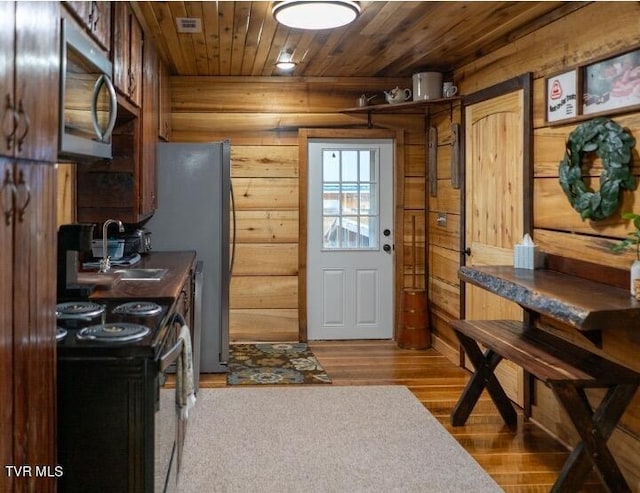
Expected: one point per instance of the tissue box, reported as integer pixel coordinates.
(527, 257)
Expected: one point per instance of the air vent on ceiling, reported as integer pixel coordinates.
(189, 24)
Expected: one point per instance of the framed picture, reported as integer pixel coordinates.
(562, 96)
(612, 83)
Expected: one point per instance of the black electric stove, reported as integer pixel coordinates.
(117, 415)
(111, 328)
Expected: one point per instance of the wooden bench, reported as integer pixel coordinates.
(568, 370)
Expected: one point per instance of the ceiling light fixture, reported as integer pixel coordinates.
(316, 14)
(285, 61)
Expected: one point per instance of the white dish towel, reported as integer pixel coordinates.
(185, 393)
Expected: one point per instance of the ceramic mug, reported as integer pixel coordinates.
(449, 90)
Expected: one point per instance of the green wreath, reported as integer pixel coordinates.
(613, 145)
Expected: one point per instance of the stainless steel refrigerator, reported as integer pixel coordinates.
(193, 213)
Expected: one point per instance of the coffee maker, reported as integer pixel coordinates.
(74, 241)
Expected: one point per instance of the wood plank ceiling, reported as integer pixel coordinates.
(389, 39)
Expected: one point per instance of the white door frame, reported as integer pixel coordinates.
(398, 197)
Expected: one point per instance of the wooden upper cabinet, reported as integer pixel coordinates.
(29, 79)
(164, 118)
(95, 17)
(149, 129)
(127, 53)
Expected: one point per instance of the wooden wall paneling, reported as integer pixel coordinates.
(258, 259)
(264, 292)
(444, 233)
(271, 95)
(66, 196)
(583, 247)
(443, 338)
(266, 226)
(444, 297)
(414, 193)
(552, 210)
(444, 264)
(415, 160)
(447, 200)
(256, 161)
(550, 49)
(268, 324)
(266, 193)
(257, 137)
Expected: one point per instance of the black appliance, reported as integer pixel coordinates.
(117, 419)
(74, 243)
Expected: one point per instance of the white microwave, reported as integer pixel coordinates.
(88, 104)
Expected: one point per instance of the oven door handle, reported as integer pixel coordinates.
(170, 356)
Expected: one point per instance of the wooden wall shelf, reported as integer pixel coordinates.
(417, 107)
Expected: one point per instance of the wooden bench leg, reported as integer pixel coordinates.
(594, 429)
(482, 378)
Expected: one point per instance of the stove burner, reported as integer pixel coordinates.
(115, 332)
(140, 308)
(61, 333)
(79, 309)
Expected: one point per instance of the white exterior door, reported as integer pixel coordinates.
(350, 239)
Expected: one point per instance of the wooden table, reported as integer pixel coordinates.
(566, 368)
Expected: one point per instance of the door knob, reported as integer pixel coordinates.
(467, 251)
(386, 232)
(386, 247)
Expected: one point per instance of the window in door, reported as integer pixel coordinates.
(350, 215)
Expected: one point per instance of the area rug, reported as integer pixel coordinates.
(323, 438)
(269, 364)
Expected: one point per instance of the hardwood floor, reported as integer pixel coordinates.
(525, 459)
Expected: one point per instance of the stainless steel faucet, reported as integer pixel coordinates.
(105, 263)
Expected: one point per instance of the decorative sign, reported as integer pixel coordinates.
(562, 97)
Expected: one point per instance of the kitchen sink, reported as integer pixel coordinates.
(140, 274)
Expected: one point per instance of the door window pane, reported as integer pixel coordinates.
(350, 199)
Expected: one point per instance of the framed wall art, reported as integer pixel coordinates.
(562, 96)
(611, 84)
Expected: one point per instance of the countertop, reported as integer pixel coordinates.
(586, 305)
(178, 265)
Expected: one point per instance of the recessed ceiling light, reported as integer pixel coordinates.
(286, 65)
(316, 14)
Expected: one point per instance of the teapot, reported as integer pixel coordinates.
(397, 95)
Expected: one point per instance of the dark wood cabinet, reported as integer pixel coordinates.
(127, 53)
(28, 326)
(149, 115)
(29, 82)
(164, 118)
(106, 408)
(95, 17)
(125, 187)
(29, 75)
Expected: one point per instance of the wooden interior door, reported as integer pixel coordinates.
(495, 207)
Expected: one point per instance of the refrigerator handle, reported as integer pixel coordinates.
(233, 239)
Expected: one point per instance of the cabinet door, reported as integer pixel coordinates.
(149, 127)
(127, 53)
(6, 317)
(164, 118)
(7, 103)
(37, 79)
(34, 324)
(96, 18)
